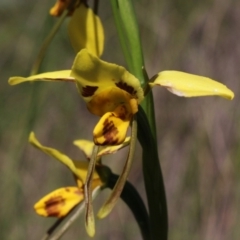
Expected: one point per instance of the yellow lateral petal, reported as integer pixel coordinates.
(59, 202)
(94, 75)
(63, 75)
(189, 85)
(74, 166)
(86, 146)
(113, 149)
(86, 31)
(112, 127)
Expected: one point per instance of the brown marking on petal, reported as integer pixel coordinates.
(122, 85)
(110, 132)
(52, 206)
(122, 112)
(88, 91)
(79, 192)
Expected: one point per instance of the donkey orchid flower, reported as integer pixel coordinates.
(114, 94)
(61, 201)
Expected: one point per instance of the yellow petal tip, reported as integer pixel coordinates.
(90, 228)
(102, 213)
(15, 80)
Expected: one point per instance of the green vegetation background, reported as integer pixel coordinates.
(198, 139)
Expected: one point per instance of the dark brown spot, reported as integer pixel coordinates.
(110, 132)
(52, 206)
(88, 91)
(126, 87)
(122, 112)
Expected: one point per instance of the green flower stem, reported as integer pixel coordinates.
(134, 201)
(153, 180)
(54, 226)
(127, 27)
(47, 42)
(89, 215)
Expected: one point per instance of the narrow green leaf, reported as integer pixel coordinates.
(127, 27)
(134, 201)
(153, 180)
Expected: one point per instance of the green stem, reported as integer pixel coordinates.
(121, 33)
(46, 43)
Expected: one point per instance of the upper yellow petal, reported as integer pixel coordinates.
(86, 31)
(189, 85)
(63, 75)
(94, 75)
(59, 202)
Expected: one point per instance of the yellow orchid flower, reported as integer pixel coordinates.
(112, 93)
(85, 27)
(59, 202)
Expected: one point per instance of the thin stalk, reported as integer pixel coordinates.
(52, 229)
(89, 215)
(46, 43)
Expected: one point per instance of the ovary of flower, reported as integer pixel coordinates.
(112, 93)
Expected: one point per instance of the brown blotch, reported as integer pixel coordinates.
(88, 91)
(126, 87)
(110, 132)
(52, 206)
(122, 112)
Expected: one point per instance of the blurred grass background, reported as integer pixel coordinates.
(198, 138)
